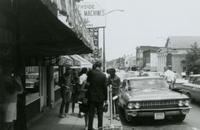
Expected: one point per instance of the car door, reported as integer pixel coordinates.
(196, 89)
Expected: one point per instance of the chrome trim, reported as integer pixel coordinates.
(162, 109)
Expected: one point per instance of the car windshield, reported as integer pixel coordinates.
(148, 83)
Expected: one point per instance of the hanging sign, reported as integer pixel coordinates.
(92, 13)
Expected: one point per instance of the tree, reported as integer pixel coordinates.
(193, 59)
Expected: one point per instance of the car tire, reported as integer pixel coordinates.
(179, 118)
(128, 119)
(189, 95)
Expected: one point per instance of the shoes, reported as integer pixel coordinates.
(80, 115)
(117, 118)
(62, 116)
(66, 115)
(86, 128)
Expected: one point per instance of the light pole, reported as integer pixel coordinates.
(104, 40)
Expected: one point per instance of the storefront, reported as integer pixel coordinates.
(33, 30)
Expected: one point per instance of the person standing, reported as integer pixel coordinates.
(170, 77)
(114, 81)
(83, 106)
(75, 86)
(97, 94)
(66, 91)
(10, 87)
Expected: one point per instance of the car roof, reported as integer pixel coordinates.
(143, 77)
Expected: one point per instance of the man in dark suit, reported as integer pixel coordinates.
(97, 94)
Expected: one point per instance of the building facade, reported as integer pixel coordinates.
(174, 52)
(130, 61)
(146, 57)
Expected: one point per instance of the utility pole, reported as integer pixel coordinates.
(104, 52)
(104, 39)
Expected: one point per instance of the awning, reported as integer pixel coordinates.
(42, 34)
(65, 61)
(80, 62)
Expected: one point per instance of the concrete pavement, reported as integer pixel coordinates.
(51, 121)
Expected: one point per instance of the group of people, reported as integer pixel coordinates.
(90, 90)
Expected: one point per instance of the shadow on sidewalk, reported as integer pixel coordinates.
(51, 121)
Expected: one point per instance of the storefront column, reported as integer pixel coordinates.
(43, 87)
(50, 87)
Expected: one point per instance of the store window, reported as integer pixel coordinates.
(32, 84)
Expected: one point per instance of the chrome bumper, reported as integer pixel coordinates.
(150, 112)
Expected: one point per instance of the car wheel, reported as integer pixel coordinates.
(189, 95)
(128, 119)
(179, 118)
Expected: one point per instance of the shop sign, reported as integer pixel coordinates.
(94, 33)
(92, 14)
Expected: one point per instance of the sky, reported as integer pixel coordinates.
(147, 22)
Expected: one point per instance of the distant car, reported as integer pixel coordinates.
(151, 97)
(150, 74)
(131, 74)
(192, 88)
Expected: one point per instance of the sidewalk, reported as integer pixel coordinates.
(51, 121)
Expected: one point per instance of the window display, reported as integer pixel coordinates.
(32, 84)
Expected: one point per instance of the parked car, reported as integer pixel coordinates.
(192, 88)
(151, 97)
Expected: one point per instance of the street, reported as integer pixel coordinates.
(190, 123)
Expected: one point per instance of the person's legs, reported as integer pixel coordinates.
(116, 107)
(62, 106)
(113, 108)
(91, 115)
(68, 99)
(100, 115)
(86, 120)
(73, 103)
(79, 113)
(67, 107)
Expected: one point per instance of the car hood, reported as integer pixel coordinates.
(181, 81)
(154, 94)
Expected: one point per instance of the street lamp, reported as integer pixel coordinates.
(114, 10)
(104, 53)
